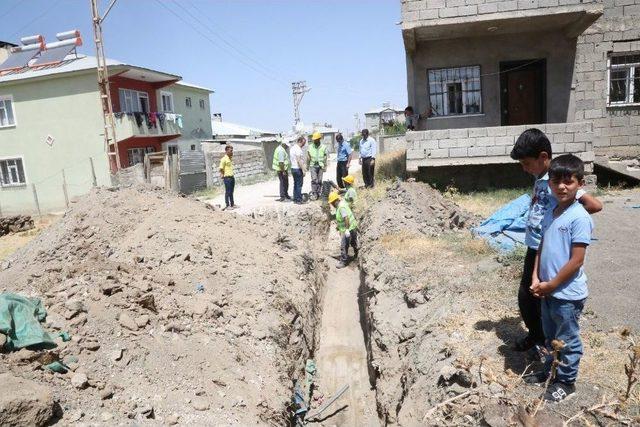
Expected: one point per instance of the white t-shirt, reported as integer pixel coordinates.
(295, 152)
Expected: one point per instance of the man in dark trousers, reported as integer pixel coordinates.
(345, 153)
(282, 165)
(368, 152)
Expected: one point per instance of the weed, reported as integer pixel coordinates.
(632, 369)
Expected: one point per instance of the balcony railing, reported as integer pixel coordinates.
(147, 124)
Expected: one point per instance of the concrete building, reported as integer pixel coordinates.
(51, 127)
(376, 118)
(482, 71)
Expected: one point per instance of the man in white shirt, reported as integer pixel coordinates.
(298, 168)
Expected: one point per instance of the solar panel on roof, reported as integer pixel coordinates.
(53, 55)
(18, 59)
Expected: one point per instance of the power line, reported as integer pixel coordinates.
(196, 29)
(53, 6)
(11, 9)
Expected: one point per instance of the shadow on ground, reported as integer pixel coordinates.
(508, 330)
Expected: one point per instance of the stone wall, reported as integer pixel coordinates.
(426, 12)
(247, 162)
(612, 126)
(450, 147)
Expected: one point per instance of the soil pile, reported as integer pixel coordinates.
(175, 312)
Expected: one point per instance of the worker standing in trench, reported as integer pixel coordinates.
(347, 227)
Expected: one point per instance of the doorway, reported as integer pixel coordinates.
(522, 92)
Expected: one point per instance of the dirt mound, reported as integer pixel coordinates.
(176, 312)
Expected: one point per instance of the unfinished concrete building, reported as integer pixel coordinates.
(482, 71)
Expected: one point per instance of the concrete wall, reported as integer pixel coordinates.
(488, 52)
(196, 121)
(388, 144)
(614, 128)
(247, 162)
(417, 13)
(68, 109)
(452, 147)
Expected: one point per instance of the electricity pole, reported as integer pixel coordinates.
(110, 141)
(299, 89)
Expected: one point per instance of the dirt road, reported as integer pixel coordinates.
(342, 358)
(263, 195)
(612, 262)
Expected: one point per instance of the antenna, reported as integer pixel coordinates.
(299, 89)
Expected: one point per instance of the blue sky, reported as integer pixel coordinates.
(249, 51)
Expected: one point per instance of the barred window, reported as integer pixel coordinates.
(12, 172)
(624, 79)
(455, 91)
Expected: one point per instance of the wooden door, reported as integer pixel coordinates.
(523, 94)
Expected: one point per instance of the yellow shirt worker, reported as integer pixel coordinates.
(226, 173)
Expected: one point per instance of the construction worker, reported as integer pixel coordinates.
(350, 190)
(347, 227)
(317, 163)
(281, 165)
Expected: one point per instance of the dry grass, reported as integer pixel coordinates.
(389, 166)
(484, 203)
(14, 241)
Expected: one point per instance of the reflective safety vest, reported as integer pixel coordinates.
(343, 207)
(276, 159)
(350, 196)
(317, 154)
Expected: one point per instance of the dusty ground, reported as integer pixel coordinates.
(14, 241)
(176, 312)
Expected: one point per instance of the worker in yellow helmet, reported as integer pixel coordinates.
(347, 227)
(349, 190)
(316, 163)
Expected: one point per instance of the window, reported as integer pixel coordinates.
(136, 155)
(624, 79)
(172, 149)
(455, 91)
(7, 118)
(193, 147)
(166, 99)
(12, 172)
(132, 101)
(187, 102)
(202, 105)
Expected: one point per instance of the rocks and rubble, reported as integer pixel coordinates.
(15, 224)
(27, 404)
(162, 296)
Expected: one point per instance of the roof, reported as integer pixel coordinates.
(182, 83)
(76, 63)
(7, 44)
(381, 109)
(229, 129)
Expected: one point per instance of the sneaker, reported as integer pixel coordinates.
(538, 378)
(559, 391)
(341, 265)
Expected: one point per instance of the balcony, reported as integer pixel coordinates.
(446, 19)
(141, 125)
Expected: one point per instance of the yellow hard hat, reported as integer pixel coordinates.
(349, 179)
(333, 196)
(316, 135)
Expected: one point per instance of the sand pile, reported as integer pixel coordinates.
(175, 312)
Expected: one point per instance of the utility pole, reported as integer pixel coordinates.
(110, 141)
(299, 89)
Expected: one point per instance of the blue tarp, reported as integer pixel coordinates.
(505, 228)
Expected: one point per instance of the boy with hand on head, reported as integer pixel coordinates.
(533, 151)
(558, 277)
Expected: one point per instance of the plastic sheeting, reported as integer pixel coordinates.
(20, 319)
(505, 229)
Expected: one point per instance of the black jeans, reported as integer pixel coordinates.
(530, 305)
(229, 185)
(283, 176)
(368, 171)
(341, 172)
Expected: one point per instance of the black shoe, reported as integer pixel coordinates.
(539, 378)
(524, 344)
(559, 391)
(280, 199)
(288, 197)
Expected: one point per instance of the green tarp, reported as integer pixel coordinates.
(20, 319)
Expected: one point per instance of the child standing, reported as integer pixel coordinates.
(558, 276)
(533, 151)
(347, 227)
(226, 173)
